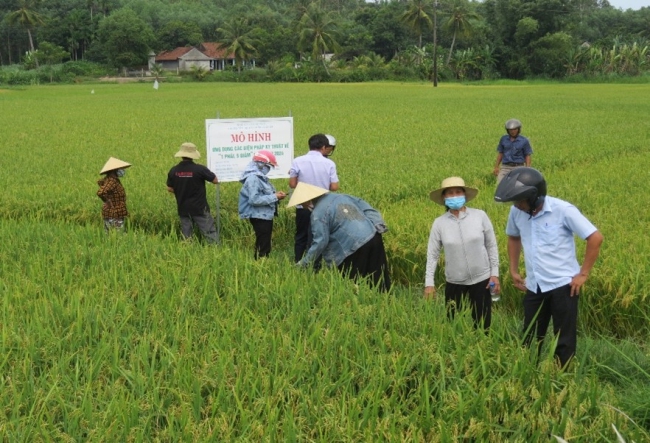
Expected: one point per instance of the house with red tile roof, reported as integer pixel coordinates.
(208, 55)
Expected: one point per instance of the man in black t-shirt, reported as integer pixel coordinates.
(186, 181)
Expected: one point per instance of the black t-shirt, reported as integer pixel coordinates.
(188, 181)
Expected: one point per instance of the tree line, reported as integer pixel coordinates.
(428, 39)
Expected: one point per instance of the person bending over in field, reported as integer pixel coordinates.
(471, 252)
(113, 195)
(347, 232)
(258, 200)
(316, 169)
(186, 181)
(544, 226)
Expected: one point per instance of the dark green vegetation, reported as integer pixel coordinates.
(142, 337)
(369, 41)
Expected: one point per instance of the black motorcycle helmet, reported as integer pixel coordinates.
(522, 184)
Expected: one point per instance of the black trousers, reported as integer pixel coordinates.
(263, 230)
(303, 232)
(369, 261)
(304, 237)
(540, 307)
(479, 299)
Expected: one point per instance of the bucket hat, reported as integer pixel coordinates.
(188, 150)
(114, 163)
(305, 192)
(452, 182)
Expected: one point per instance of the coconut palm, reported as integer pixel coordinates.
(459, 22)
(236, 39)
(317, 31)
(418, 17)
(26, 17)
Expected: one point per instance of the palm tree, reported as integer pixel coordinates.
(28, 18)
(236, 39)
(418, 17)
(317, 31)
(459, 22)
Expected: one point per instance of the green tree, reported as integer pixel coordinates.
(459, 22)
(26, 17)
(124, 39)
(179, 33)
(50, 54)
(418, 17)
(317, 31)
(235, 37)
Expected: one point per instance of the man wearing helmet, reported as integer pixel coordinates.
(544, 226)
(513, 150)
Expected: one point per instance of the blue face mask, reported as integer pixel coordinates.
(455, 203)
(120, 172)
(264, 169)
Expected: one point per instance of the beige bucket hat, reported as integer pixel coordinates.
(188, 150)
(452, 182)
(305, 192)
(114, 163)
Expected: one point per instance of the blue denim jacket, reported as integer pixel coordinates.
(340, 225)
(257, 196)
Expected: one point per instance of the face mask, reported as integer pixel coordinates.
(264, 169)
(120, 172)
(455, 203)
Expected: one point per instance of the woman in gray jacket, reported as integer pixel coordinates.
(471, 253)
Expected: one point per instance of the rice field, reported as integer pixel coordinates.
(142, 337)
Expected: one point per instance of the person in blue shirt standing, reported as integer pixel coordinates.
(258, 200)
(316, 169)
(544, 226)
(347, 232)
(513, 151)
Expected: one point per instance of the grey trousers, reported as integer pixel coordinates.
(204, 222)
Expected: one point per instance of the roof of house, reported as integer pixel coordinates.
(210, 49)
(195, 55)
(216, 51)
(173, 55)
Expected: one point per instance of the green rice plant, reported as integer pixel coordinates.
(143, 337)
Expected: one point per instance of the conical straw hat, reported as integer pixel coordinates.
(113, 164)
(305, 192)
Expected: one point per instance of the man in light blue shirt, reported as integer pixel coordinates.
(545, 227)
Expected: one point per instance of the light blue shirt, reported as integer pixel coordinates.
(548, 242)
(314, 169)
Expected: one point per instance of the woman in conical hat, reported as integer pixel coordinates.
(347, 232)
(112, 194)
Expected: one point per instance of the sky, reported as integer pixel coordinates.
(629, 4)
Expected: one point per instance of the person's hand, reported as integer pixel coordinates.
(497, 285)
(576, 283)
(496, 171)
(518, 281)
(280, 195)
(430, 292)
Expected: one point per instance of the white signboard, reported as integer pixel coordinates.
(232, 143)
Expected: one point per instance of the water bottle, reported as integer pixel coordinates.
(493, 292)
